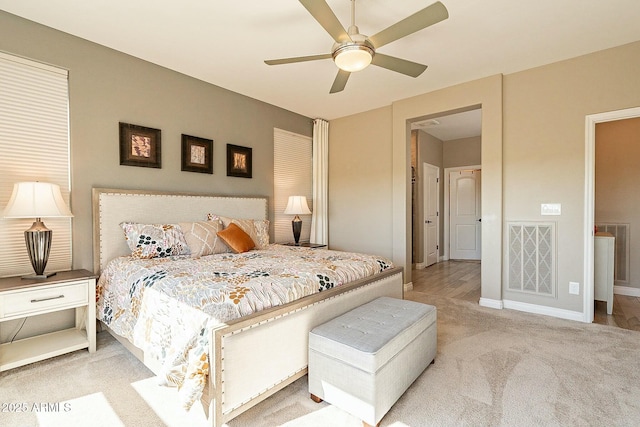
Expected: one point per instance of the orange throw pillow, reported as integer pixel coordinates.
(236, 239)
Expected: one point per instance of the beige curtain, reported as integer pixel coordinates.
(320, 216)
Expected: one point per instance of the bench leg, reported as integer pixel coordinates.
(318, 400)
(315, 398)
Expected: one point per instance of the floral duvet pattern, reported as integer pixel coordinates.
(168, 306)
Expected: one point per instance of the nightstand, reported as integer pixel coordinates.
(306, 245)
(29, 297)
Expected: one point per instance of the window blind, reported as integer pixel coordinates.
(292, 176)
(34, 146)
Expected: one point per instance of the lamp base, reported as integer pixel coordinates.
(296, 224)
(38, 241)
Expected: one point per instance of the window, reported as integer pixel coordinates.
(34, 146)
(292, 176)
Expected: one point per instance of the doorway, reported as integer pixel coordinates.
(589, 215)
(463, 213)
(440, 144)
(614, 148)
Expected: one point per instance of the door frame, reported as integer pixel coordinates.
(447, 173)
(424, 214)
(589, 197)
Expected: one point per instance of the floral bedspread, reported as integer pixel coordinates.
(168, 306)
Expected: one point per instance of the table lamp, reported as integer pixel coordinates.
(37, 200)
(297, 205)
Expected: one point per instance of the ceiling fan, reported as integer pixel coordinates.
(353, 51)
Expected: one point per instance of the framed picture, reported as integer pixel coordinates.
(197, 154)
(238, 161)
(140, 146)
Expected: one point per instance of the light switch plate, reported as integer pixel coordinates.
(550, 209)
(574, 288)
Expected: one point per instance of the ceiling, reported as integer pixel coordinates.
(226, 42)
(452, 126)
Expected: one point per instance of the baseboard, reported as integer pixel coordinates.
(547, 311)
(627, 291)
(491, 303)
(408, 286)
(420, 266)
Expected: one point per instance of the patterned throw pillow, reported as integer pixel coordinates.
(236, 238)
(202, 237)
(154, 240)
(257, 229)
(262, 233)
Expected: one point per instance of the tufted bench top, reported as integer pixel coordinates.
(368, 336)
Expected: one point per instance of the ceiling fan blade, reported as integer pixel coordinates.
(412, 69)
(322, 13)
(297, 59)
(422, 19)
(340, 82)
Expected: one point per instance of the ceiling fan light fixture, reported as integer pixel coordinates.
(353, 57)
(353, 51)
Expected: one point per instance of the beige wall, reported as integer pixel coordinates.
(617, 154)
(462, 152)
(533, 152)
(360, 183)
(544, 148)
(107, 87)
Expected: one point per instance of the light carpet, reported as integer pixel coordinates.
(493, 368)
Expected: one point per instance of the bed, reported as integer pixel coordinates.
(238, 376)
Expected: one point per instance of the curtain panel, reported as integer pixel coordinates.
(320, 216)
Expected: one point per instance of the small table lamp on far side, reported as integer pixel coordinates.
(37, 200)
(297, 205)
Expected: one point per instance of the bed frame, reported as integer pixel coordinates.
(239, 378)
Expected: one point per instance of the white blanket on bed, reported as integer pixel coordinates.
(168, 306)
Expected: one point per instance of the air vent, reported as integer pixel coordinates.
(532, 258)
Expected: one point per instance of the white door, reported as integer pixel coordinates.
(431, 223)
(465, 222)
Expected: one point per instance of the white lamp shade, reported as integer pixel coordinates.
(36, 200)
(297, 205)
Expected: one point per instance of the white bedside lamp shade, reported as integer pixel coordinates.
(297, 205)
(37, 200)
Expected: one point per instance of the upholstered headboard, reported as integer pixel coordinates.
(112, 206)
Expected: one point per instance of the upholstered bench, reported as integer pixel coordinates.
(365, 359)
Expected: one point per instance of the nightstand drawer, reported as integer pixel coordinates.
(43, 299)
